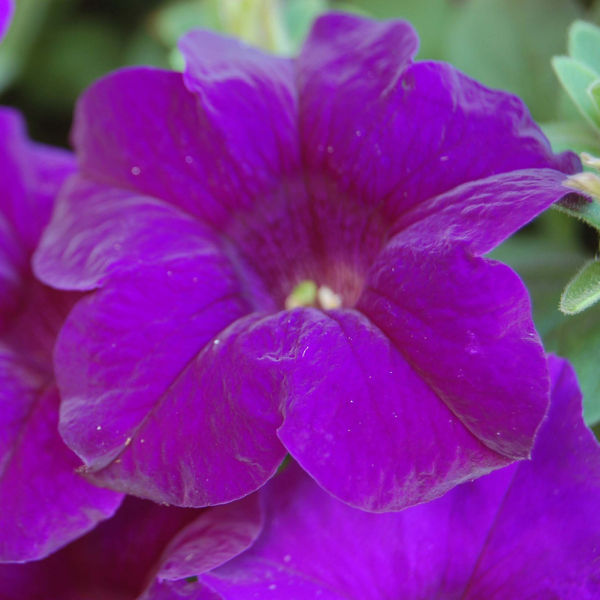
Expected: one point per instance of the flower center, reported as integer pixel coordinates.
(306, 293)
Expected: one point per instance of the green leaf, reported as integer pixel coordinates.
(578, 339)
(584, 44)
(508, 44)
(585, 209)
(576, 136)
(583, 291)
(576, 78)
(593, 92)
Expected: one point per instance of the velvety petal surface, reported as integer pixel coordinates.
(215, 149)
(152, 401)
(464, 326)
(45, 502)
(463, 322)
(142, 363)
(381, 132)
(30, 175)
(215, 537)
(113, 562)
(527, 531)
(343, 385)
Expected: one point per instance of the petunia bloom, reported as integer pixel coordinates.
(44, 503)
(530, 530)
(206, 200)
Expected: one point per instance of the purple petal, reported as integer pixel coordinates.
(345, 385)
(140, 553)
(527, 531)
(200, 159)
(6, 11)
(383, 133)
(483, 213)
(45, 503)
(113, 562)
(463, 324)
(31, 175)
(37, 465)
(143, 368)
(215, 537)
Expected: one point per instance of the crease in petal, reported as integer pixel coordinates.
(464, 324)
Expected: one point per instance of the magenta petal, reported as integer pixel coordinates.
(345, 385)
(383, 132)
(6, 11)
(151, 393)
(550, 511)
(199, 159)
(215, 537)
(528, 531)
(112, 562)
(464, 324)
(137, 552)
(98, 231)
(31, 175)
(45, 502)
(483, 213)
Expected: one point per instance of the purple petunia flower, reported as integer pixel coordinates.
(44, 503)
(530, 530)
(205, 199)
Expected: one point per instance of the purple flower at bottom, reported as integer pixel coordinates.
(44, 503)
(205, 199)
(528, 531)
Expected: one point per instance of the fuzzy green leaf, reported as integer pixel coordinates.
(585, 209)
(583, 291)
(584, 44)
(576, 78)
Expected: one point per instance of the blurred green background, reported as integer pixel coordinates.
(57, 47)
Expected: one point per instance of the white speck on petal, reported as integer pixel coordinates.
(136, 170)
